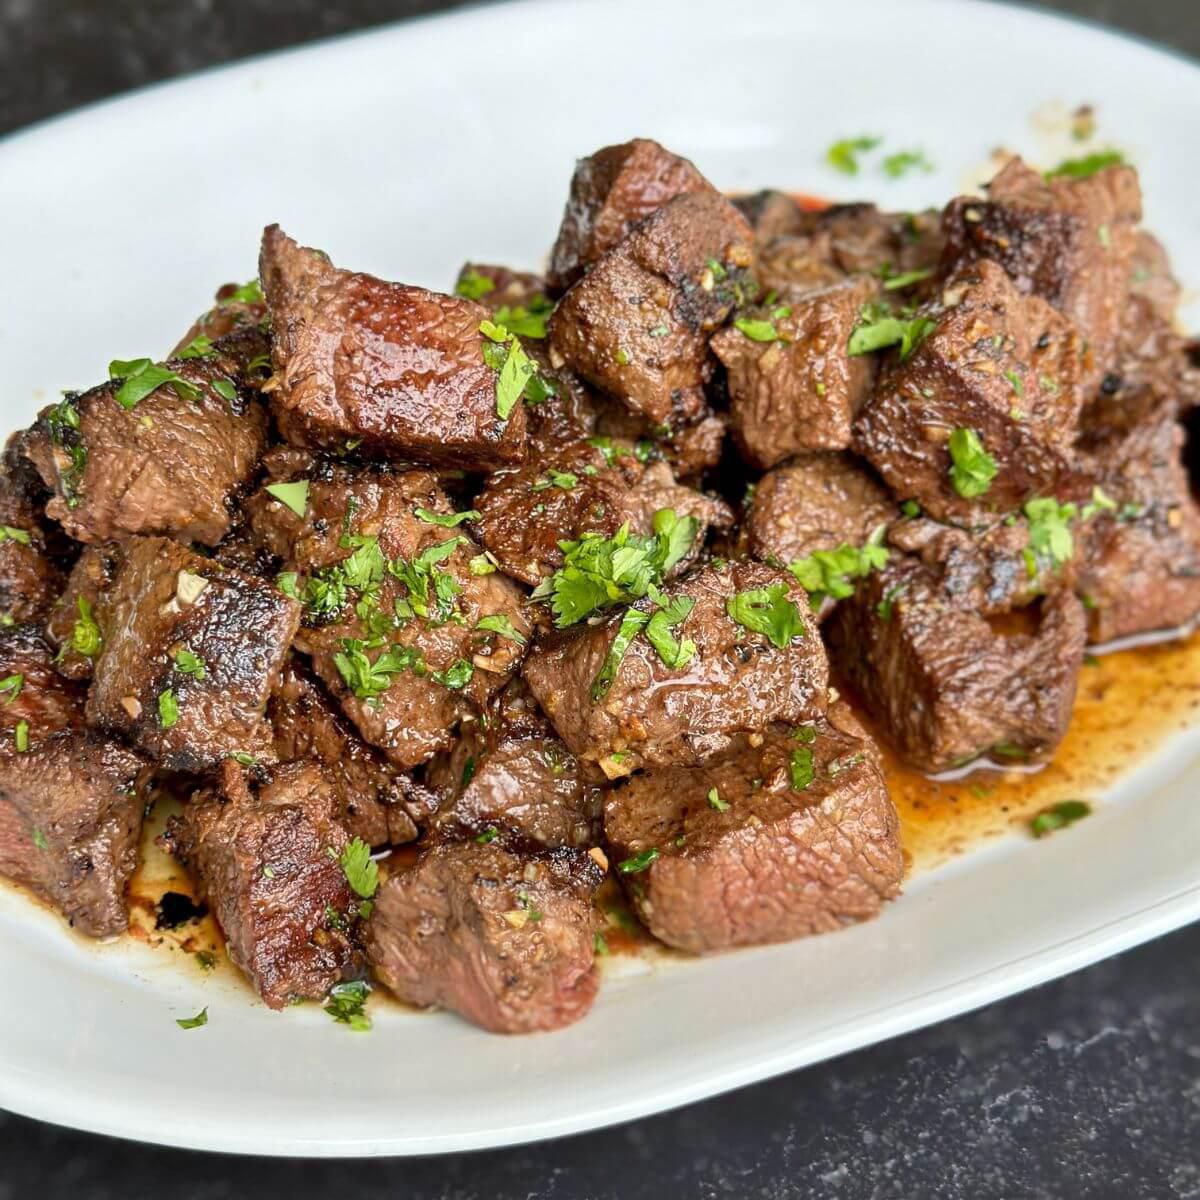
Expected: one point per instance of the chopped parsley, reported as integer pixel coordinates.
(632, 623)
(886, 606)
(843, 154)
(85, 635)
(1049, 532)
(674, 652)
(473, 285)
(565, 480)
(829, 572)
(456, 676)
(9, 533)
(11, 686)
(141, 376)
(248, 293)
(639, 862)
(599, 572)
(879, 328)
(225, 389)
(347, 1003)
(360, 869)
(757, 330)
(445, 520)
(189, 663)
(168, 708)
(910, 508)
(294, 495)
(502, 351)
(899, 164)
(1081, 168)
(21, 737)
(63, 424)
(367, 679)
(1058, 816)
(715, 801)
(526, 320)
(767, 611)
(199, 347)
(1015, 382)
(895, 283)
(972, 467)
(39, 840)
(246, 760)
(480, 564)
(800, 767)
(196, 1022)
(490, 834)
(501, 624)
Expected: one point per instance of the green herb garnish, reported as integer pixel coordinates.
(360, 869)
(446, 520)
(188, 663)
(768, 611)
(1081, 168)
(141, 376)
(294, 495)
(972, 467)
(347, 1003)
(201, 1018)
(843, 155)
(639, 862)
(1058, 816)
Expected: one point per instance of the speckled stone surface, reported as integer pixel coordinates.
(1086, 1089)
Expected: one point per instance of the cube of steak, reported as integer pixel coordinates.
(611, 192)
(655, 715)
(1139, 565)
(942, 685)
(191, 652)
(794, 836)
(372, 799)
(71, 800)
(266, 854)
(503, 937)
(815, 502)
(801, 390)
(80, 607)
(568, 413)
(515, 773)
(395, 370)
(1070, 241)
(637, 324)
(591, 486)
(1002, 365)
(236, 310)
(170, 465)
(444, 664)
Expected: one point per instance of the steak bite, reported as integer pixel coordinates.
(943, 686)
(265, 851)
(637, 324)
(790, 837)
(815, 502)
(996, 366)
(596, 485)
(191, 652)
(514, 772)
(396, 371)
(406, 622)
(792, 383)
(30, 578)
(1069, 241)
(70, 799)
(372, 799)
(616, 702)
(612, 191)
(169, 463)
(73, 626)
(503, 937)
(1140, 565)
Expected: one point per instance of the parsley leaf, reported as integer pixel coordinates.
(85, 635)
(757, 330)
(360, 869)
(526, 320)
(843, 155)
(639, 862)
(800, 768)
(513, 366)
(480, 564)
(1066, 812)
(347, 1002)
(140, 377)
(499, 623)
(367, 679)
(895, 283)
(9, 533)
(715, 801)
(456, 676)
(446, 520)
(767, 611)
(199, 347)
(21, 737)
(473, 285)
(879, 328)
(294, 495)
(12, 684)
(1081, 168)
(899, 164)
(632, 623)
(972, 467)
(168, 708)
(829, 572)
(1049, 531)
(675, 653)
(187, 663)
(564, 480)
(196, 1022)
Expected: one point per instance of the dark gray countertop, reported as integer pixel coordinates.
(1085, 1088)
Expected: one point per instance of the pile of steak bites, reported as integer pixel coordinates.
(546, 577)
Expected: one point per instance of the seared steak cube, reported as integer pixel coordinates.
(266, 854)
(191, 652)
(815, 502)
(596, 485)
(397, 372)
(793, 836)
(407, 622)
(942, 685)
(1069, 241)
(792, 383)
(612, 191)
(504, 938)
(997, 366)
(70, 799)
(169, 462)
(372, 799)
(626, 710)
(514, 773)
(637, 324)
(74, 624)
(1140, 564)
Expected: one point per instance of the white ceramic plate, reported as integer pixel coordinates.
(402, 152)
